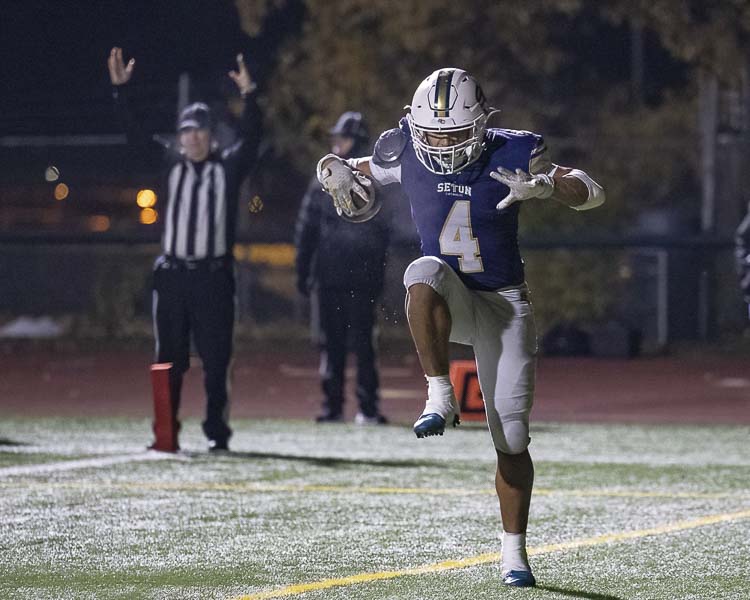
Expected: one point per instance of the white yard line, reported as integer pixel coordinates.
(85, 463)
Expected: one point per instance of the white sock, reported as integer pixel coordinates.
(440, 395)
(514, 552)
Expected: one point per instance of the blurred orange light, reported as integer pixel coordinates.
(98, 223)
(145, 198)
(61, 191)
(149, 216)
(240, 252)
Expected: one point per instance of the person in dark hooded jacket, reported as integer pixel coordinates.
(342, 265)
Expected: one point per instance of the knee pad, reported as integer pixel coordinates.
(426, 269)
(514, 438)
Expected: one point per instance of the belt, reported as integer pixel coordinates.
(195, 264)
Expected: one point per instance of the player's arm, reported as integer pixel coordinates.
(384, 166)
(574, 188)
(350, 182)
(571, 187)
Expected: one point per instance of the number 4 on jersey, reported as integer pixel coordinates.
(456, 238)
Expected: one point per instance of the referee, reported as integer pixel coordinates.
(194, 282)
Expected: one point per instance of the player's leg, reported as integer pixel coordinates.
(333, 324)
(438, 308)
(212, 318)
(505, 351)
(430, 325)
(514, 480)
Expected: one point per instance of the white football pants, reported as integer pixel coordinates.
(500, 327)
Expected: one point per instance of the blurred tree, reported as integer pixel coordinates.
(371, 56)
(565, 68)
(251, 14)
(711, 34)
(355, 54)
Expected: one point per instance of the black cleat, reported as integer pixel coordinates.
(432, 424)
(329, 417)
(218, 446)
(519, 579)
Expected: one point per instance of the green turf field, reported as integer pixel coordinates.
(338, 511)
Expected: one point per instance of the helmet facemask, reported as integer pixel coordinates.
(448, 103)
(444, 160)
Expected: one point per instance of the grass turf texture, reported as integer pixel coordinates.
(368, 513)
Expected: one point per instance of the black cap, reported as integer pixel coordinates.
(195, 116)
(351, 124)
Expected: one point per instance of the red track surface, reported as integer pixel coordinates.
(272, 383)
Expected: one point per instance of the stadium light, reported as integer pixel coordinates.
(149, 216)
(61, 191)
(145, 198)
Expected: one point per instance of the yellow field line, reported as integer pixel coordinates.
(294, 590)
(639, 494)
(340, 489)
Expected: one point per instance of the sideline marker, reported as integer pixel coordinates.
(463, 375)
(165, 419)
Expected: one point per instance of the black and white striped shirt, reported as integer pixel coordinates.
(196, 219)
(200, 218)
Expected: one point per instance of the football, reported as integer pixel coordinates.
(365, 208)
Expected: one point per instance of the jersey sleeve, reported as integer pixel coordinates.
(383, 175)
(539, 161)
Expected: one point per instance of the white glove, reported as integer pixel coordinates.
(522, 186)
(340, 182)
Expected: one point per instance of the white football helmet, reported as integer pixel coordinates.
(449, 101)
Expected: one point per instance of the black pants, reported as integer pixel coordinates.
(347, 319)
(197, 298)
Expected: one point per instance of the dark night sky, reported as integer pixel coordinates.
(54, 55)
(53, 68)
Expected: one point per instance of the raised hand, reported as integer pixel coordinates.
(242, 77)
(522, 186)
(119, 72)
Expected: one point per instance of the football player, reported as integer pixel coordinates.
(465, 183)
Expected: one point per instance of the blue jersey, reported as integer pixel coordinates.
(455, 214)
